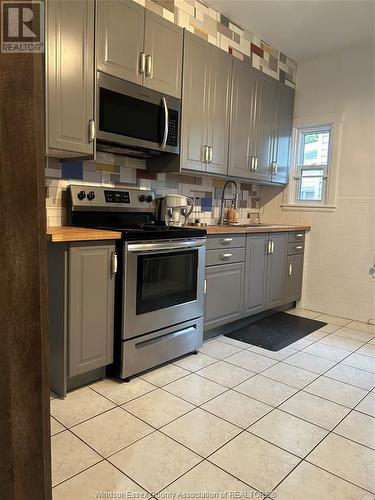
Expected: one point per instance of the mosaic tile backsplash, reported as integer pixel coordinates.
(217, 29)
(109, 171)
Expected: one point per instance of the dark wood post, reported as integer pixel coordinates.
(24, 394)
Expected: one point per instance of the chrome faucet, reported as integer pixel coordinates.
(221, 218)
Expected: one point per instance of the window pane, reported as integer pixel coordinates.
(315, 148)
(311, 186)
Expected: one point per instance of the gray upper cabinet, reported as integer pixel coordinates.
(70, 80)
(120, 38)
(224, 297)
(242, 143)
(91, 307)
(163, 49)
(265, 125)
(260, 125)
(276, 265)
(218, 110)
(256, 272)
(139, 46)
(282, 149)
(194, 102)
(205, 106)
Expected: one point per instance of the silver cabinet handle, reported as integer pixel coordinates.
(142, 63)
(92, 131)
(205, 154)
(299, 247)
(299, 235)
(269, 246)
(272, 246)
(166, 123)
(205, 286)
(227, 255)
(255, 163)
(223, 241)
(210, 154)
(290, 269)
(274, 168)
(148, 65)
(252, 163)
(114, 263)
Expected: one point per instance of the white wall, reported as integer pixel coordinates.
(341, 245)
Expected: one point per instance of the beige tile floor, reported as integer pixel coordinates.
(234, 420)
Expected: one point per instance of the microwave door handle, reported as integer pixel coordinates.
(166, 123)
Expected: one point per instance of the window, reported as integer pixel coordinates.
(312, 161)
(315, 163)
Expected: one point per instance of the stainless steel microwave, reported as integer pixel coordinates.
(135, 121)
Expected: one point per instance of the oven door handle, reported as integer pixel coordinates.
(167, 246)
(166, 123)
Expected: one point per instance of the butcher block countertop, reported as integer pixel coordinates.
(66, 234)
(266, 228)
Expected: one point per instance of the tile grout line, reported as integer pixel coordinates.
(203, 409)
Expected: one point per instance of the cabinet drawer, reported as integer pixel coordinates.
(296, 236)
(224, 256)
(226, 241)
(295, 248)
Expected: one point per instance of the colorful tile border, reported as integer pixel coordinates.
(217, 29)
(123, 172)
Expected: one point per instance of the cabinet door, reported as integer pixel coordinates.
(224, 296)
(163, 49)
(276, 264)
(256, 271)
(265, 125)
(282, 153)
(218, 110)
(294, 278)
(91, 307)
(70, 77)
(244, 80)
(119, 38)
(194, 102)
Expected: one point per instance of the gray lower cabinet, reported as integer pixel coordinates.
(276, 265)
(294, 278)
(224, 294)
(255, 273)
(205, 106)
(69, 79)
(246, 275)
(81, 310)
(139, 46)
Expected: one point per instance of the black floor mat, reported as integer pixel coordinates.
(276, 331)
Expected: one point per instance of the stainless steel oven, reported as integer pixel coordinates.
(134, 120)
(163, 284)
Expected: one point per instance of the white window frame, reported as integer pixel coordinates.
(291, 199)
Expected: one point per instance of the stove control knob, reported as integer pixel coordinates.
(81, 195)
(149, 198)
(90, 195)
(142, 198)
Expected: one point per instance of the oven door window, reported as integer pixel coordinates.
(166, 279)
